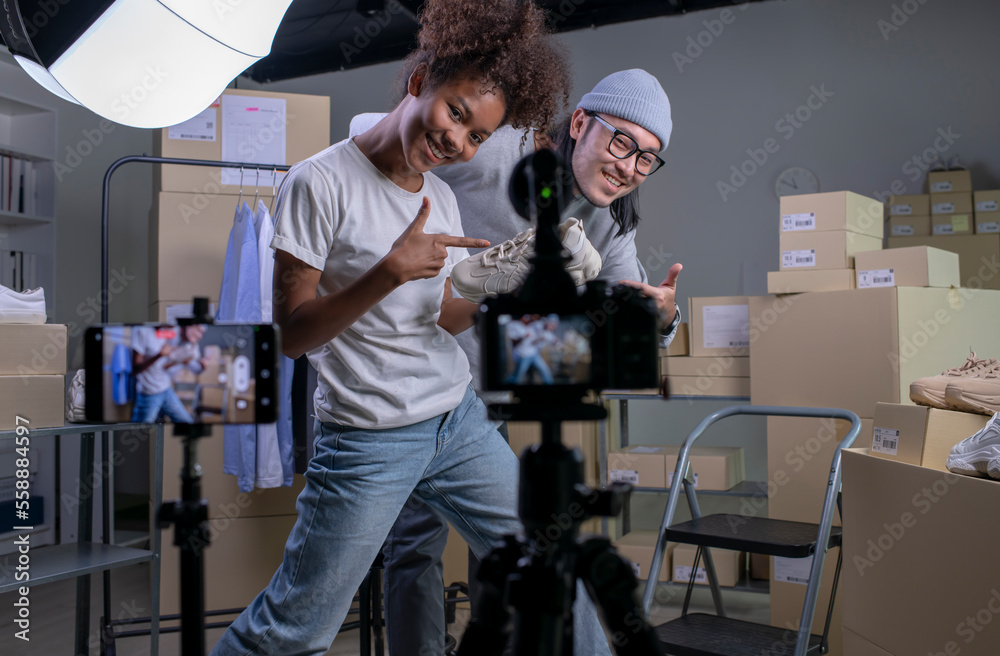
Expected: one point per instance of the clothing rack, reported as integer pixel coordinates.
(83, 591)
(106, 201)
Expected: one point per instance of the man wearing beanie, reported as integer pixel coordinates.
(613, 137)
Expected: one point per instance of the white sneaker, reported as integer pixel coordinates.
(978, 455)
(502, 268)
(22, 307)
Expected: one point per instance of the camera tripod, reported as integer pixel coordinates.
(536, 574)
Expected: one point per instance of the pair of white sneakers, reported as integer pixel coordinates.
(978, 455)
(22, 307)
(502, 268)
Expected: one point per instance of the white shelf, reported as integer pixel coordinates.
(18, 219)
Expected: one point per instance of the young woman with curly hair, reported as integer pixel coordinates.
(365, 237)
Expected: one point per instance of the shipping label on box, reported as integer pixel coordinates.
(876, 278)
(885, 440)
(725, 326)
(792, 570)
(987, 224)
(804, 221)
(795, 259)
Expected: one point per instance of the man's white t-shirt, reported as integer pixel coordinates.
(394, 366)
(154, 379)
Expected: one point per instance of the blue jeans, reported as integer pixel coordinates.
(356, 485)
(148, 407)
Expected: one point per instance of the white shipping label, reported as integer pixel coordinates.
(792, 570)
(792, 259)
(876, 278)
(683, 573)
(202, 127)
(944, 229)
(623, 476)
(988, 226)
(940, 186)
(636, 570)
(670, 479)
(902, 231)
(885, 440)
(725, 326)
(986, 206)
(791, 222)
(900, 209)
(943, 208)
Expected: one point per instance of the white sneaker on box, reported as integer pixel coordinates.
(22, 307)
(502, 268)
(978, 455)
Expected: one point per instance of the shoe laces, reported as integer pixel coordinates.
(512, 249)
(972, 363)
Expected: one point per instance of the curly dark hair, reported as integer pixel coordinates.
(507, 44)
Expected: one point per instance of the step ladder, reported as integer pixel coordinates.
(702, 634)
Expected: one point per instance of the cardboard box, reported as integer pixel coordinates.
(951, 224)
(680, 345)
(799, 453)
(708, 386)
(833, 249)
(787, 599)
(910, 226)
(978, 256)
(719, 325)
(920, 435)
(834, 210)
(579, 434)
(638, 465)
(725, 366)
(910, 205)
(916, 266)
(31, 350)
(986, 201)
(851, 349)
(760, 567)
(307, 130)
(39, 399)
(729, 565)
(959, 202)
(637, 547)
(987, 223)
(819, 280)
(855, 645)
(714, 467)
(948, 181)
(902, 521)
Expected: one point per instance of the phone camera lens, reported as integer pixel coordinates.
(265, 401)
(264, 346)
(265, 373)
(241, 343)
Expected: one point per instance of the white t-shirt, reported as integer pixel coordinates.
(154, 378)
(394, 366)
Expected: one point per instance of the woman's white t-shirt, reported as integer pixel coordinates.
(394, 366)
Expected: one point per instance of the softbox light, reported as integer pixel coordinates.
(143, 63)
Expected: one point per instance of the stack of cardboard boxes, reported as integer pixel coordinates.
(820, 235)
(192, 215)
(32, 396)
(952, 217)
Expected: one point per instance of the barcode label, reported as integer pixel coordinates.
(900, 209)
(682, 573)
(790, 222)
(793, 259)
(940, 186)
(988, 226)
(885, 440)
(944, 229)
(670, 479)
(943, 208)
(792, 570)
(876, 278)
(986, 206)
(623, 476)
(902, 231)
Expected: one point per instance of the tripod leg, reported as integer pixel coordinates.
(487, 634)
(612, 584)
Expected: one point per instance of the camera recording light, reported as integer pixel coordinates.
(141, 63)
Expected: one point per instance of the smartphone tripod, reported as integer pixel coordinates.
(536, 575)
(189, 514)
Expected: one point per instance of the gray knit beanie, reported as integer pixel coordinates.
(633, 95)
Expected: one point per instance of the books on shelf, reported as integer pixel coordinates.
(18, 185)
(18, 270)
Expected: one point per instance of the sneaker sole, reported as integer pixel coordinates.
(993, 468)
(21, 316)
(984, 404)
(927, 396)
(976, 462)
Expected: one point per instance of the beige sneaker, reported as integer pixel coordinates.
(979, 393)
(931, 390)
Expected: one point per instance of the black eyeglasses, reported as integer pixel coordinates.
(623, 146)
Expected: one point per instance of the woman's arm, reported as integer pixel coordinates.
(457, 314)
(308, 322)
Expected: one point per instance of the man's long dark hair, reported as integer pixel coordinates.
(624, 210)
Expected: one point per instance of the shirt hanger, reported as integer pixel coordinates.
(256, 192)
(240, 197)
(274, 190)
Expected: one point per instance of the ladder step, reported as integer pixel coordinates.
(773, 537)
(698, 634)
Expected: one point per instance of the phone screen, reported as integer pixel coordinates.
(537, 349)
(198, 373)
